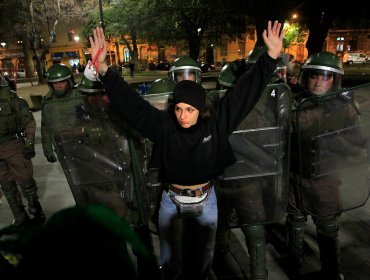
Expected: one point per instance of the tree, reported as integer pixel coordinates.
(170, 21)
(33, 20)
(294, 33)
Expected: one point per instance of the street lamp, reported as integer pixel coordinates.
(101, 14)
(294, 17)
(3, 44)
(77, 38)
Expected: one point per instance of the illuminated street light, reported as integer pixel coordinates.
(3, 44)
(294, 17)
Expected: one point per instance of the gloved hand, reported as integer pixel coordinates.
(95, 132)
(29, 150)
(51, 158)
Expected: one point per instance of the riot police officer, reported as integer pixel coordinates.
(315, 187)
(61, 88)
(61, 85)
(185, 68)
(246, 189)
(17, 140)
(128, 195)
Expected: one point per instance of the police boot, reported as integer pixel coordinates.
(29, 191)
(327, 239)
(256, 243)
(295, 239)
(146, 265)
(14, 199)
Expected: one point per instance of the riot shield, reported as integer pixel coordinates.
(160, 101)
(97, 150)
(331, 151)
(85, 162)
(259, 177)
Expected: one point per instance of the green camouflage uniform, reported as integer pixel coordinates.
(17, 137)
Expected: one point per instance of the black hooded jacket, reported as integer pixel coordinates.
(201, 152)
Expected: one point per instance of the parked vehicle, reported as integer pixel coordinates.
(21, 73)
(165, 66)
(351, 58)
(205, 67)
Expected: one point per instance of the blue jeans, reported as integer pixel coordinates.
(187, 244)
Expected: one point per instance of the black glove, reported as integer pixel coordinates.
(29, 150)
(51, 158)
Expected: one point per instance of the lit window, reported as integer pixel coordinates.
(71, 35)
(340, 47)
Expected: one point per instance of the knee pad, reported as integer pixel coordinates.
(327, 226)
(296, 218)
(29, 189)
(254, 232)
(8, 186)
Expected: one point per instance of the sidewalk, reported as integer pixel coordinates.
(354, 234)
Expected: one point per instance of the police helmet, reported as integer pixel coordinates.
(59, 73)
(90, 87)
(185, 68)
(324, 64)
(230, 72)
(164, 85)
(255, 53)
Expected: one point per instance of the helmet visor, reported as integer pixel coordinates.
(187, 74)
(320, 82)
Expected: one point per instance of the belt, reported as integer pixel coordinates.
(189, 191)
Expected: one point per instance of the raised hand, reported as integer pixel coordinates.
(273, 38)
(99, 49)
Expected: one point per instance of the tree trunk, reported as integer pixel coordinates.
(29, 67)
(194, 47)
(319, 18)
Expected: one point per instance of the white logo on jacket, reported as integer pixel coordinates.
(207, 139)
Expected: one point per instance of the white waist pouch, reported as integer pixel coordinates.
(189, 206)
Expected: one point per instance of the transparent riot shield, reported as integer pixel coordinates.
(84, 160)
(259, 178)
(97, 149)
(331, 151)
(160, 101)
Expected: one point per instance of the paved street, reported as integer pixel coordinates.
(354, 234)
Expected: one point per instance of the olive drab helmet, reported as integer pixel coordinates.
(255, 53)
(88, 87)
(59, 73)
(230, 72)
(324, 64)
(164, 85)
(185, 68)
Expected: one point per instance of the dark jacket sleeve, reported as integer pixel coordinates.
(139, 113)
(245, 94)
